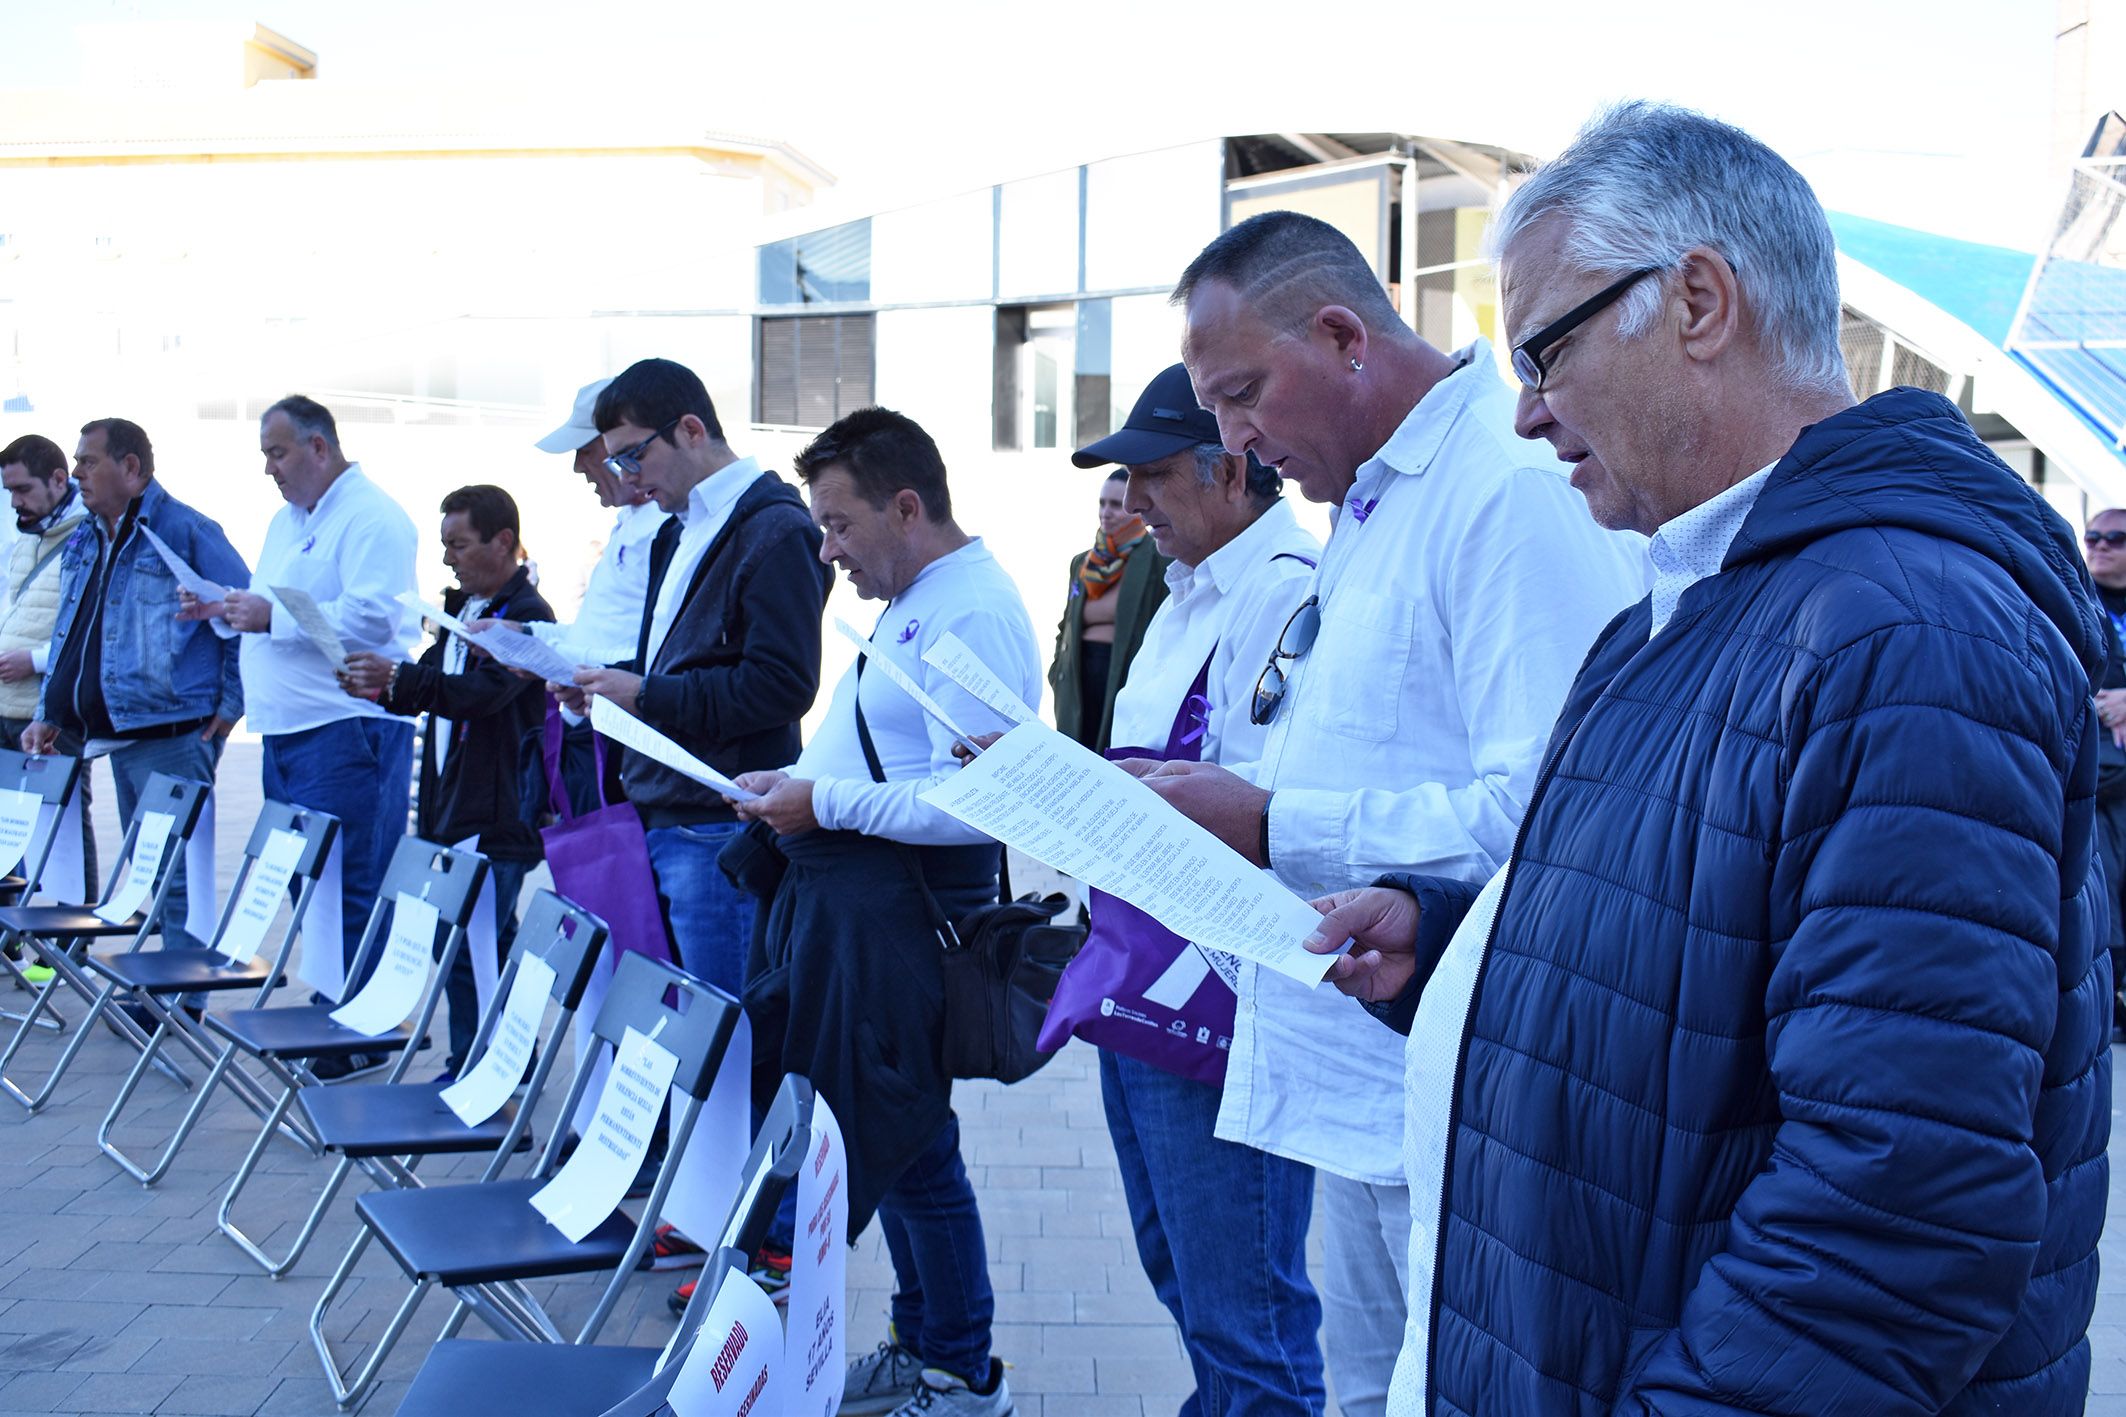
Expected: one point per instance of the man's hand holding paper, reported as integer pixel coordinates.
(785, 804)
(1217, 799)
(1379, 923)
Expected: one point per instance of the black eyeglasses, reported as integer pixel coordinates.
(2112, 539)
(1298, 633)
(628, 462)
(1528, 354)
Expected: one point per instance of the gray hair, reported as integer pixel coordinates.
(1263, 484)
(310, 418)
(1645, 182)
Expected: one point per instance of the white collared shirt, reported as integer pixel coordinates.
(1687, 549)
(354, 553)
(1454, 613)
(967, 593)
(707, 508)
(1229, 608)
(608, 623)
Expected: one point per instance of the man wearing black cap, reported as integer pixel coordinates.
(1221, 1227)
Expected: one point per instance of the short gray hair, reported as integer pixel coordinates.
(1263, 484)
(1645, 182)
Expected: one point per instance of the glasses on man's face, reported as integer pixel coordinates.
(627, 462)
(1294, 640)
(1528, 354)
(2112, 539)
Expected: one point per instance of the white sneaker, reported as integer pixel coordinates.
(880, 1381)
(940, 1394)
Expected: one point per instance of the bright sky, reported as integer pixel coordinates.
(1932, 113)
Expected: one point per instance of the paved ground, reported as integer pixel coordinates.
(118, 1299)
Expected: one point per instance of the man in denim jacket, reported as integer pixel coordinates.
(147, 691)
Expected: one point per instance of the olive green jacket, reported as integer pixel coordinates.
(1142, 589)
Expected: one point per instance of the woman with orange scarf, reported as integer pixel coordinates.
(1114, 588)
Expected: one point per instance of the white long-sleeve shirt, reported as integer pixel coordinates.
(708, 507)
(967, 593)
(1228, 607)
(609, 621)
(354, 553)
(1460, 589)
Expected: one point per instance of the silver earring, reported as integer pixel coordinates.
(1356, 366)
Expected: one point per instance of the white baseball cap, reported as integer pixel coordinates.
(580, 428)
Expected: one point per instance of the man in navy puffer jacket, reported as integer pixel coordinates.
(1771, 1075)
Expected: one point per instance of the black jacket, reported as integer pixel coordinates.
(492, 712)
(740, 665)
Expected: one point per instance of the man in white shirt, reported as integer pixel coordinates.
(1407, 710)
(1221, 1227)
(847, 989)
(610, 616)
(345, 543)
(609, 619)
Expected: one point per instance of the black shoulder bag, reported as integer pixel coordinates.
(1001, 964)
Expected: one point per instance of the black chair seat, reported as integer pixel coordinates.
(63, 921)
(465, 1375)
(483, 1234)
(183, 971)
(305, 1031)
(399, 1120)
(11, 888)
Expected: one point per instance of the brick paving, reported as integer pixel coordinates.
(115, 1298)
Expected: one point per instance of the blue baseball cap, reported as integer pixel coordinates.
(1166, 421)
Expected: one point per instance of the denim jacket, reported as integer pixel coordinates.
(156, 669)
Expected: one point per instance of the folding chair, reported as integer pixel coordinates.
(60, 934)
(52, 780)
(156, 978)
(586, 1380)
(287, 1041)
(483, 1241)
(388, 1130)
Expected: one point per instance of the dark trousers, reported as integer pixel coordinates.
(360, 770)
(942, 1303)
(461, 985)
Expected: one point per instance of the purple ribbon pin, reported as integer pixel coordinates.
(1197, 711)
(1363, 509)
(908, 632)
(308, 542)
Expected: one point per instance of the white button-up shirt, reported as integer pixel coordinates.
(1686, 549)
(354, 553)
(1228, 608)
(609, 621)
(707, 508)
(969, 594)
(1460, 589)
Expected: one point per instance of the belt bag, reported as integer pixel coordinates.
(1000, 965)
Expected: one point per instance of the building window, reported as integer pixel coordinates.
(819, 268)
(813, 368)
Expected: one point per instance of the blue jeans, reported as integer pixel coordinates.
(360, 770)
(461, 986)
(1222, 1234)
(711, 920)
(186, 756)
(942, 1304)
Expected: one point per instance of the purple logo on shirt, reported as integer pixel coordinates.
(1363, 509)
(620, 556)
(908, 632)
(304, 549)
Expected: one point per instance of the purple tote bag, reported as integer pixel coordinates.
(600, 859)
(1102, 996)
